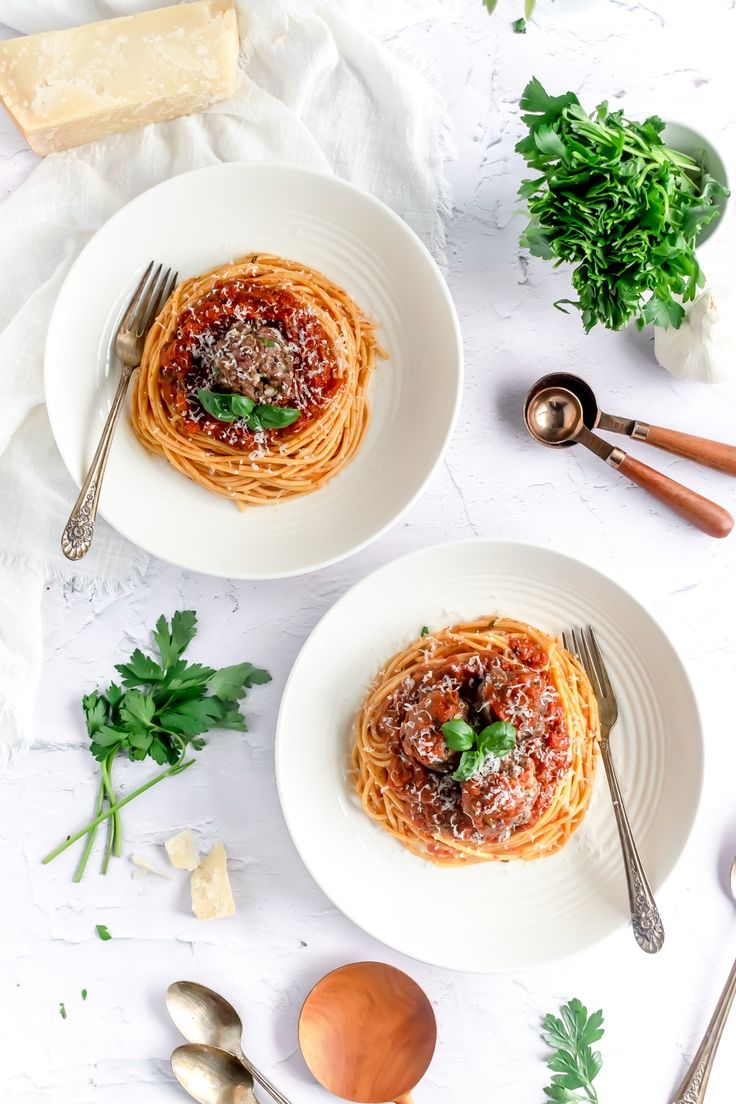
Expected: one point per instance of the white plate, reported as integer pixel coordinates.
(208, 217)
(492, 917)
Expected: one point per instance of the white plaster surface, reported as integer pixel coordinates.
(671, 57)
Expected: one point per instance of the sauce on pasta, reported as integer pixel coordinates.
(508, 792)
(521, 803)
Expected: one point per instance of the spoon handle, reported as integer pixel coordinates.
(699, 511)
(262, 1080)
(714, 454)
(693, 1085)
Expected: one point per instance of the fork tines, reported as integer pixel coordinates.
(582, 642)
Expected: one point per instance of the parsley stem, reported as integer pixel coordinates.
(115, 833)
(90, 838)
(111, 810)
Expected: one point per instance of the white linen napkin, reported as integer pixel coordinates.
(316, 90)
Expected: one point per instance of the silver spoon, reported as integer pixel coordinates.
(694, 1083)
(554, 417)
(212, 1076)
(203, 1016)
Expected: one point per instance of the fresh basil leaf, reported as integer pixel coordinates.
(497, 738)
(225, 406)
(266, 416)
(470, 762)
(459, 736)
(268, 342)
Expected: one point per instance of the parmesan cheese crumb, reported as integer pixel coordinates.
(145, 866)
(182, 851)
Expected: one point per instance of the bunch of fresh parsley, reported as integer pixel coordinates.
(160, 710)
(574, 1063)
(617, 203)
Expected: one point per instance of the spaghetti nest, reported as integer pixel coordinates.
(524, 803)
(327, 348)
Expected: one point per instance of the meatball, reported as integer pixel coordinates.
(254, 361)
(498, 801)
(513, 694)
(421, 730)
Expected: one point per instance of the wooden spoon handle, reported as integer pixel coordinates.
(407, 1098)
(714, 454)
(707, 515)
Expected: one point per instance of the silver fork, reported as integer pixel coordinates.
(148, 298)
(645, 918)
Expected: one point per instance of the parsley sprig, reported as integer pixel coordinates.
(574, 1063)
(616, 203)
(160, 710)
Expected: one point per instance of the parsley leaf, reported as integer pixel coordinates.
(103, 932)
(618, 205)
(231, 683)
(172, 640)
(161, 712)
(574, 1063)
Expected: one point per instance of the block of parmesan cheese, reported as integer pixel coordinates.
(65, 88)
(212, 897)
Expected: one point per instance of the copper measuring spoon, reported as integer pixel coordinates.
(713, 454)
(554, 416)
(368, 1033)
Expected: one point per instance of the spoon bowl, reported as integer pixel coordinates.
(212, 1076)
(207, 1019)
(582, 391)
(367, 1033)
(553, 415)
(203, 1016)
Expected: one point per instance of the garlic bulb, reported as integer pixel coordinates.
(704, 347)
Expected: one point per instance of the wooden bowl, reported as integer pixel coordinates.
(368, 1033)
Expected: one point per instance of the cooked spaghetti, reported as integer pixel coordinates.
(454, 808)
(281, 340)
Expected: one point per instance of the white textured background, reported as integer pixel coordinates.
(666, 56)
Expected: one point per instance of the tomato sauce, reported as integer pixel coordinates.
(318, 372)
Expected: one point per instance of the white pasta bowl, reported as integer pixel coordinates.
(495, 916)
(209, 217)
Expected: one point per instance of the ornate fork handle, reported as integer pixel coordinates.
(693, 1085)
(79, 529)
(645, 919)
